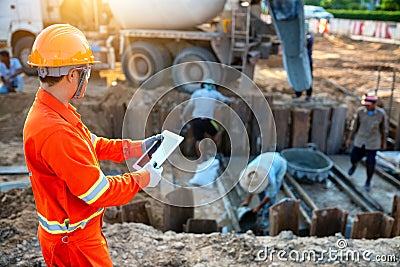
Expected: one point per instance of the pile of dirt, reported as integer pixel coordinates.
(133, 244)
(13, 111)
(18, 227)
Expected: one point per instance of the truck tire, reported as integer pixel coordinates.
(22, 50)
(183, 75)
(141, 60)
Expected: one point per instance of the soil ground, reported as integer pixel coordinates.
(352, 65)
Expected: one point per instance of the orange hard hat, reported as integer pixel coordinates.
(61, 45)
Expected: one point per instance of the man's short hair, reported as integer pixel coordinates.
(4, 53)
(50, 81)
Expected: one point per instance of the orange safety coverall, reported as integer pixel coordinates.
(69, 187)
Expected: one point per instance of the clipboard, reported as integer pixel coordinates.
(158, 153)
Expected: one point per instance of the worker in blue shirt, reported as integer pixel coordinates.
(202, 103)
(263, 176)
(10, 73)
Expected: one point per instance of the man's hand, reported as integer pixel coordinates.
(244, 203)
(148, 142)
(155, 174)
(6, 81)
(256, 209)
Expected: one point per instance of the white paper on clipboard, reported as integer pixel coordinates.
(170, 142)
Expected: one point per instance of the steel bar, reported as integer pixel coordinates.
(301, 192)
(354, 196)
(391, 94)
(385, 176)
(371, 202)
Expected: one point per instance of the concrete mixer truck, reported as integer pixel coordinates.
(147, 36)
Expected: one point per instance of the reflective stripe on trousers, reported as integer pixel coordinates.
(83, 247)
(54, 227)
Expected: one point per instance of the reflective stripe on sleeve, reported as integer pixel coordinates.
(94, 139)
(97, 189)
(54, 227)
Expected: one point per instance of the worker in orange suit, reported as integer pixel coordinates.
(62, 155)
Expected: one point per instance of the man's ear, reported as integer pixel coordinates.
(71, 75)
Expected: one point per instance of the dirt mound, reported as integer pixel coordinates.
(13, 111)
(133, 244)
(18, 224)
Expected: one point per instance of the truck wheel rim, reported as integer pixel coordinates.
(193, 72)
(141, 67)
(24, 56)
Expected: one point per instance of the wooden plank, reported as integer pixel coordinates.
(397, 143)
(284, 216)
(149, 210)
(328, 222)
(290, 194)
(270, 100)
(396, 215)
(178, 208)
(265, 124)
(241, 145)
(282, 124)
(135, 212)
(201, 226)
(113, 214)
(320, 127)
(372, 225)
(335, 136)
(300, 127)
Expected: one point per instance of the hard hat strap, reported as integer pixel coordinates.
(84, 75)
(78, 92)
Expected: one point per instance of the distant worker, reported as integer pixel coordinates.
(370, 128)
(10, 72)
(263, 176)
(310, 43)
(203, 102)
(62, 155)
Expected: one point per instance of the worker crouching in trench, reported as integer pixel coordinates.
(263, 176)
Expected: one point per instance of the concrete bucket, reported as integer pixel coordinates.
(307, 165)
(247, 219)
